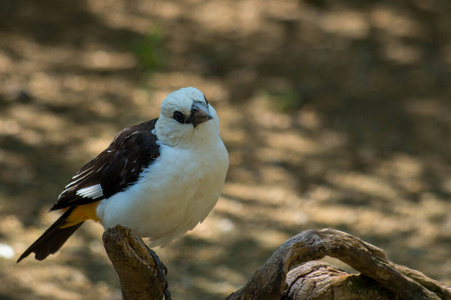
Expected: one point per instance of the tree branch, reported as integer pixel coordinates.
(291, 273)
(269, 280)
(321, 281)
(141, 273)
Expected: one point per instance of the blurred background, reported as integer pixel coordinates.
(335, 113)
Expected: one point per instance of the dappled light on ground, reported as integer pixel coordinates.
(335, 115)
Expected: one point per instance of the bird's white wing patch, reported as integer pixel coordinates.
(76, 179)
(93, 191)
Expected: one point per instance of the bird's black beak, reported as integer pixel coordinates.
(199, 113)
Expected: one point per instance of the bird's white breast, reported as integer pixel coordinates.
(172, 196)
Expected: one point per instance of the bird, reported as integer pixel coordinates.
(160, 178)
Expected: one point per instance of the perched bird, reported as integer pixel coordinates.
(160, 178)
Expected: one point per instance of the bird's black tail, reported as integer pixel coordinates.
(52, 239)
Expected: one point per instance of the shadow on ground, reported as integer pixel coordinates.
(335, 115)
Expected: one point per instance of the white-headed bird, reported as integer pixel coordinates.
(160, 178)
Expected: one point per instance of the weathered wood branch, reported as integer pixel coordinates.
(141, 273)
(269, 281)
(292, 272)
(321, 281)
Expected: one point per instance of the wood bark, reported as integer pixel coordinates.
(269, 281)
(292, 272)
(319, 280)
(141, 273)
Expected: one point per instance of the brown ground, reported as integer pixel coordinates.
(335, 113)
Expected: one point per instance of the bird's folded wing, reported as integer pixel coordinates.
(113, 170)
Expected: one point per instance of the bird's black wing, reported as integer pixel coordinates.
(113, 170)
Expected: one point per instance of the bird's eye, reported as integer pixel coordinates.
(179, 116)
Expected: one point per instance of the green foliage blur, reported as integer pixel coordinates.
(149, 51)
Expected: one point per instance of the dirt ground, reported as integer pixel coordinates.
(335, 114)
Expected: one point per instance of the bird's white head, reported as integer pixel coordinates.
(186, 119)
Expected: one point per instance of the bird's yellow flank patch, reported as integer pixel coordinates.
(81, 213)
